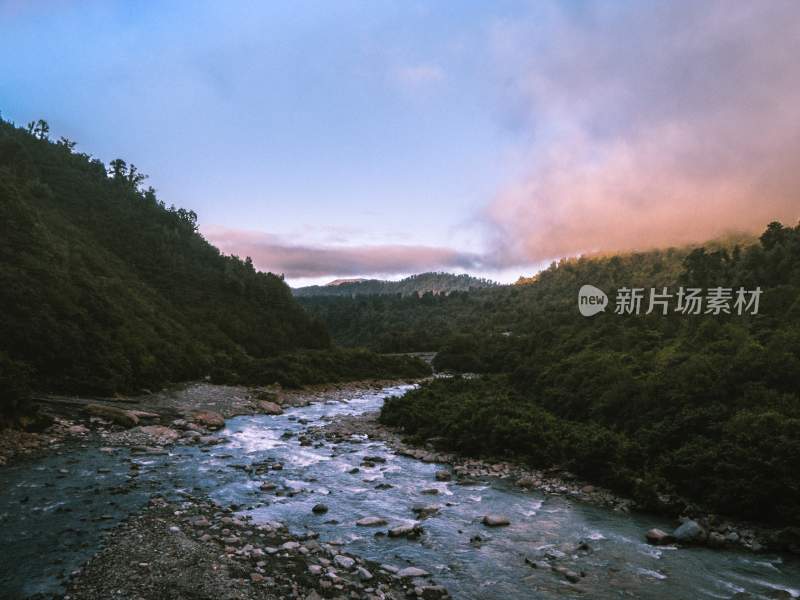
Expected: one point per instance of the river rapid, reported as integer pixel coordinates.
(56, 510)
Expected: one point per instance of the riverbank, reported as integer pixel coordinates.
(697, 527)
(197, 549)
(183, 414)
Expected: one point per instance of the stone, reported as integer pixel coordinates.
(209, 419)
(319, 509)
(163, 435)
(371, 522)
(443, 476)
(116, 415)
(363, 574)
(269, 408)
(344, 562)
(290, 546)
(412, 572)
(423, 511)
(407, 531)
(495, 520)
(527, 482)
(429, 491)
(658, 537)
(689, 532)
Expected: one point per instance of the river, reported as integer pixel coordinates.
(56, 510)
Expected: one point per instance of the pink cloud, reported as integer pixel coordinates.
(664, 124)
(271, 253)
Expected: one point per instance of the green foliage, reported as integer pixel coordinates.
(106, 289)
(415, 285)
(704, 406)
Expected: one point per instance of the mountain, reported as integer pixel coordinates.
(423, 283)
(341, 281)
(104, 288)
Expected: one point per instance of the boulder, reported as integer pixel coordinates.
(209, 419)
(270, 408)
(412, 572)
(443, 476)
(371, 522)
(658, 537)
(689, 532)
(162, 434)
(495, 520)
(320, 509)
(423, 512)
(344, 562)
(406, 531)
(116, 415)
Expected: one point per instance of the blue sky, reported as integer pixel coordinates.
(393, 137)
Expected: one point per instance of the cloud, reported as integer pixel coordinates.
(271, 253)
(651, 124)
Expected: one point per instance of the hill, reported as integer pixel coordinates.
(673, 409)
(423, 283)
(104, 288)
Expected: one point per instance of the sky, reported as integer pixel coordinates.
(379, 139)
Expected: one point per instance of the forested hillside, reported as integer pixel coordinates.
(422, 283)
(104, 288)
(662, 407)
(434, 322)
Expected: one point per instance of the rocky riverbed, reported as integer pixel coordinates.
(207, 504)
(695, 527)
(196, 549)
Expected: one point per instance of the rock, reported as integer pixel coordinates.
(433, 592)
(344, 562)
(527, 482)
(423, 512)
(407, 531)
(209, 419)
(429, 491)
(443, 476)
(315, 569)
(290, 546)
(536, 564)
(363, 574)
(319, 509)
(716, 540)
(412, 572)
(270, 408)
(162, 434)
(689, 532)
(495, 520)
(371, 522)
(145, 415)
(268, 486)
(78, 430)
(116, 415)
(658, 537)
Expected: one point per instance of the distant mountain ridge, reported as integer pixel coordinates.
(422, 283)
